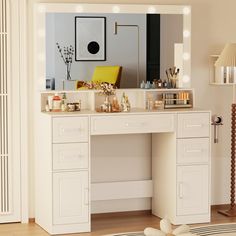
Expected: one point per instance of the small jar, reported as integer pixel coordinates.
(77, 106)
(70, 107)
(159, 83)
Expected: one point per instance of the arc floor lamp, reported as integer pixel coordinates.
(116, 25)
(227, 59)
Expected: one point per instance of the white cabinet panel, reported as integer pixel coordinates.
(193, 125)
(70, 129)
(70, 156)
(192, 190)
(70, 197)
(127, 124)
(193, 150)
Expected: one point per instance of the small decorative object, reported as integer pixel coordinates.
(63, 105)
(50, 84)
(71, 107)
(47, 107)
(66, 56)
(125, 104)
(115, 105)
(50, 102)
(142, 85)
(78, 105)
(166, 230)
(158, 105)
(149, 102)
(56, 103)
(107, 90)
(148, 85)
(159, 83)
(173, 77)
(91, 85)
(165, 84)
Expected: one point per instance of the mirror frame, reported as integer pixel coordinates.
(41, 9)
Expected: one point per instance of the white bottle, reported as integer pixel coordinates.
(56, 105)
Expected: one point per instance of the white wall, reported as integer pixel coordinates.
(213, 24)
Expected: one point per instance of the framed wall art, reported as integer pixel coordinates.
(90, 38)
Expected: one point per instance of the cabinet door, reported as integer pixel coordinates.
(192, 190)
(70, 197)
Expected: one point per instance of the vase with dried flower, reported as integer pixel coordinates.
(107, 90)
(67, 57)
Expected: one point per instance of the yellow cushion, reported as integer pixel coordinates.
(107, 74)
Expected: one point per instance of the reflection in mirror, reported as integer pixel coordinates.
(144, 45)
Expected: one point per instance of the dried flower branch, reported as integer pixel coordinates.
(67, 57)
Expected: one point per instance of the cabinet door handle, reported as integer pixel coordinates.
(71, 130)
(181, 190)
(194, 126)
(194, 150)
(86, 196)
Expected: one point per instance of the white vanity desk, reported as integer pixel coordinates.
(180, 184)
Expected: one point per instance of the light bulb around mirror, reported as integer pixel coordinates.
(186, 10)
(115, 9)
(151, 10)
(41, 8)
(41, 57)
(186, 56)
(79, 9)
(186, 79)
(41, 33)
(186, 33)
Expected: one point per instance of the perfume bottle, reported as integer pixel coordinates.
(47, 107)
(56, 103)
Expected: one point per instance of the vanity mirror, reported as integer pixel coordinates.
(127, 41)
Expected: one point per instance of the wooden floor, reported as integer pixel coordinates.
(105, 224)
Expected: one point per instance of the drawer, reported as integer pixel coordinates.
(70, 129)
(195, 150)
(193, 125)
(128, 124)
(70, 156)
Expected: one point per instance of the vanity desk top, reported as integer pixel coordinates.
(134, 111)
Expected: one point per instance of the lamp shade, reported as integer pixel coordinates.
(227, 56)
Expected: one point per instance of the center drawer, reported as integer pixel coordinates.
(122, 124)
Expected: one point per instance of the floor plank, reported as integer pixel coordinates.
(106, 225)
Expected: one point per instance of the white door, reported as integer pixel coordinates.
(9, 121)
(70, 197)
(192, 190)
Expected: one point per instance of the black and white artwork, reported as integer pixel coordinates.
(90, 38)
